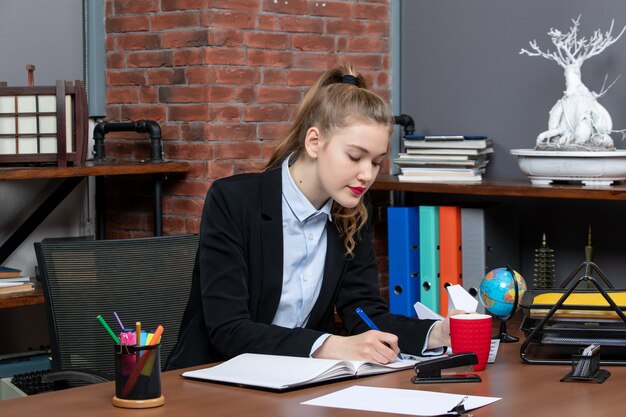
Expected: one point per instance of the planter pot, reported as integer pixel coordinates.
(590, 168)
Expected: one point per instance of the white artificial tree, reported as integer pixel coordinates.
(577, 121)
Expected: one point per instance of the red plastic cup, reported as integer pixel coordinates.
(472, 333)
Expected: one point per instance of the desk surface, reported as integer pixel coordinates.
(525, 390)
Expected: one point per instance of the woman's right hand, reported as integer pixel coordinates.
(371, 346)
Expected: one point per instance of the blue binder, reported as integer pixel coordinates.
(404, 260)
(429, 256)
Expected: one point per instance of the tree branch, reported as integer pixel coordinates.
(570, 50)
(600, 41)
(537, 52)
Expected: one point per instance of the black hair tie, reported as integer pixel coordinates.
(349, 79)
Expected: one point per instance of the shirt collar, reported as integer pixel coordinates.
(297, 202)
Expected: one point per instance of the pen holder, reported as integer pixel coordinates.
(587, 368)
(138, 376)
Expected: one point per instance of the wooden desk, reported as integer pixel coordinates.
(72, 176)
(526, 390)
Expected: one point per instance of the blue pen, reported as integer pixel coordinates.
(371, 325)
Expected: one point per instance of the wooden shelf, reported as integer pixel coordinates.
(22, 298)
(504, 188)
(90, 169)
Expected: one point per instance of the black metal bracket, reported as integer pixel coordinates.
(37, 217)
(142, 126)
(408, 124)
(405, 121)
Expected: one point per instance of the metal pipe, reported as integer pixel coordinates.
(157, 208)
(405, 121)
(150, 127)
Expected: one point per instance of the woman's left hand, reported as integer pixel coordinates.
(440, 333)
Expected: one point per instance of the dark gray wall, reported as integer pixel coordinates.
(47, 34)
(461, 71)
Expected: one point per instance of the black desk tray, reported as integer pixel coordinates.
(554, 332)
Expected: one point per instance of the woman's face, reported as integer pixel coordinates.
(349, 159)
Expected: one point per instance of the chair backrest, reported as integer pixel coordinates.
(142, 279)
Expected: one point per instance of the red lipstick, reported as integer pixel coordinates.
(357, 190)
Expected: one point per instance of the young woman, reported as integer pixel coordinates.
(282, 250)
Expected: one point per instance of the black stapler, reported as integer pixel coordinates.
(429, 372)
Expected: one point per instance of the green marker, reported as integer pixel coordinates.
(108, 329)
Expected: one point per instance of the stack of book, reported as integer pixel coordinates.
(12, 281)
(444, 158)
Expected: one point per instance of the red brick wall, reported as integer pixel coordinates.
(222, 78)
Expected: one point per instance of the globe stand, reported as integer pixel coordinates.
(503, 335)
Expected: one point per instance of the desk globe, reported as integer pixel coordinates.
(500, 292)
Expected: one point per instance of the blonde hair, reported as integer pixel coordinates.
(339, 97)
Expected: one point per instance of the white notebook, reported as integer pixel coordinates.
(286, 372)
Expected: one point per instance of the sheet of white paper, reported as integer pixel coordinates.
(461, 299)
(493, 351)
(425, 313)
(399, 401)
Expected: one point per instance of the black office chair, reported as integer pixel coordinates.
(142, 279)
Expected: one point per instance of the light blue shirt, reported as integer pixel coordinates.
(304, 253)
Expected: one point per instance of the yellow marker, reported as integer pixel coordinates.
(153, 339)
(137, 339)
(138, 334)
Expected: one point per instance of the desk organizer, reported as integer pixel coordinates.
(44, 124)
(587, 368)
(138, 377)
(558, 322)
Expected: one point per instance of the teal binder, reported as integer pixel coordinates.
(404, 259)
(429, 256)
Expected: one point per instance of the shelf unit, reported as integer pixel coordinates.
(514, 209)
(76, 174)
(19, 299)
(504, 188)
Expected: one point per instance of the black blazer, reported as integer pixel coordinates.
(237, 282)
